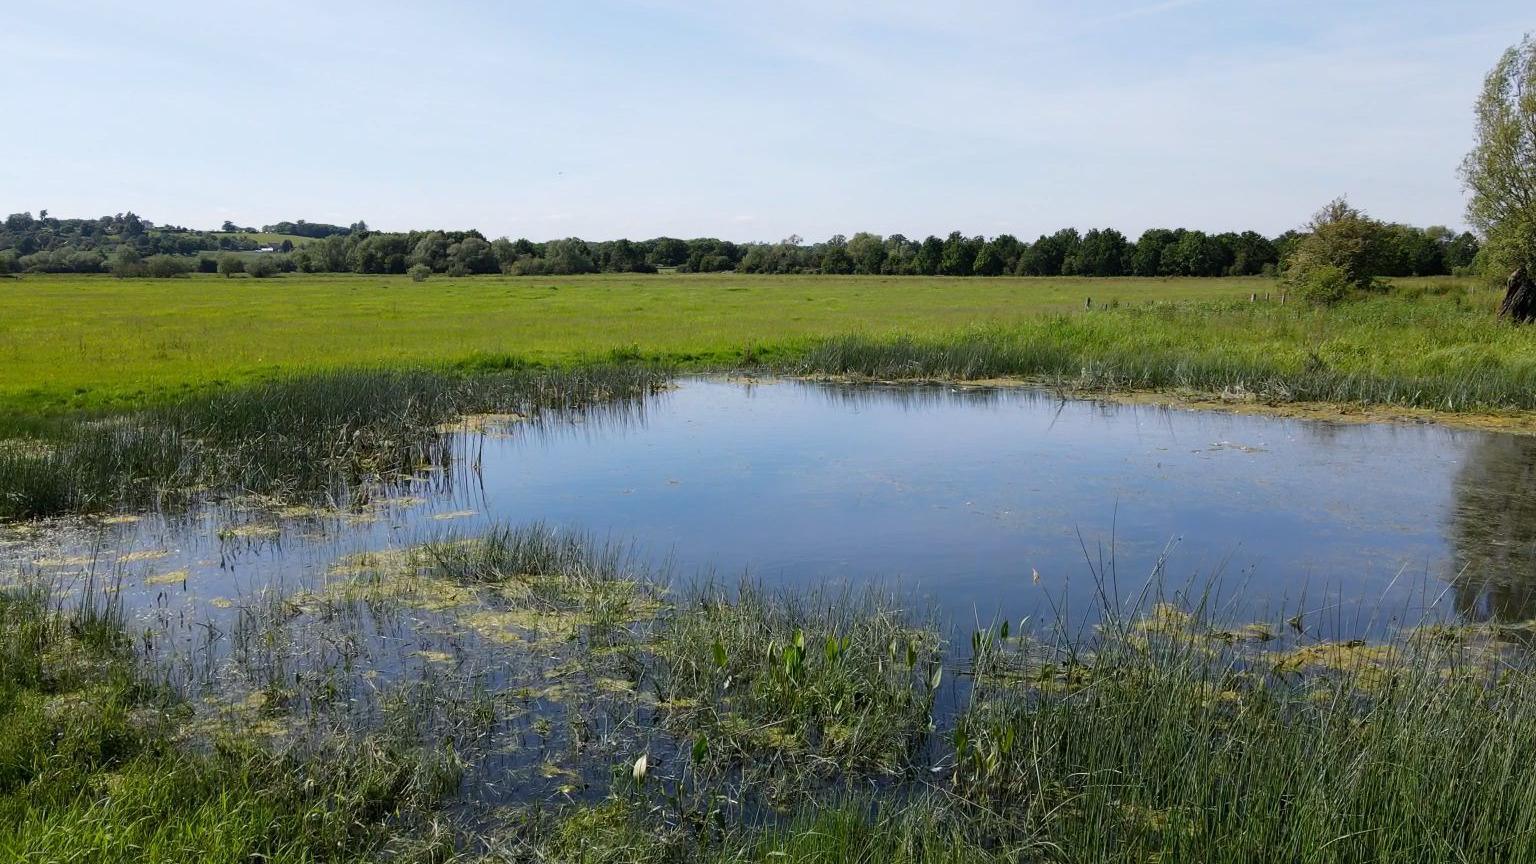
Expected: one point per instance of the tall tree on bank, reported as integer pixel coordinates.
(1500, 174)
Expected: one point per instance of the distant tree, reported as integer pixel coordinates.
(166, 266)
(958, 255)
(419, 272)
(262, 268)
(8, 265)
(127, 263)
(1500, 171)
(504, 251)
(86, 261)
(229, 227)
(1252, 253)
(837, 260)
(1051, 256)
(1196, 253)
(431, 251)
(989, 261)
(1461, 251)
(1103, 252)
(867, 251)
(928, 257)
(569, 256)
(1147, 256)
(668, 252)
(1343, 239)
(229, 265)
(473, 255)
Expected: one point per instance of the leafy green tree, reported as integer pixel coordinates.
(837, 260)
(8, 265)
(1103, 252)
(127, 263)
(419, 272)
(929, 257)
(1461, 252)
(958, 255)
(569, 256)
(1050, 256)
(1147, 256)
(867, 251)
(431, 251)
(229, 265)
(472, 255)
(166, 266)
(1340, 237)
(262, 268)
(668, 252)
(989, 262)
(1500, 171)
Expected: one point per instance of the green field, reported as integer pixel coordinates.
(97, 342)
(93, 341)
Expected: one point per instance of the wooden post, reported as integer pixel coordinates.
(1088, 304)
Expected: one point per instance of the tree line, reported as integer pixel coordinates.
(123, 244)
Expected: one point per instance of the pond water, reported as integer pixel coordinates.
(971, 505)
(980, 503)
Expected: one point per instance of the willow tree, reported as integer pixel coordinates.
(1500, 174)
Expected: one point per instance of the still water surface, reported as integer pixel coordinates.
(983, 503)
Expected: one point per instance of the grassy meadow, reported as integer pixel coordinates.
(94, 341)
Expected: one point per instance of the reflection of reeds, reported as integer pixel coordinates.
(304, 435)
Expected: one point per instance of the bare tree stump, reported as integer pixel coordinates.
(1519, 298)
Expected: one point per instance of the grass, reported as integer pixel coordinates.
(1434, 353)
(95, 341)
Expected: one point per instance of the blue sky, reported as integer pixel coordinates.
(749, 121)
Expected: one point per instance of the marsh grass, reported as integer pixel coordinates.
(326, 436)
(821, 684)
(91, 768)
(1180, 739)
(1435, 352)
(757, 726)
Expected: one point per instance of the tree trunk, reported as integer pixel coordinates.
(1519, 298)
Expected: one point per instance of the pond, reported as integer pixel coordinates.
(978, 503)
(969, 506)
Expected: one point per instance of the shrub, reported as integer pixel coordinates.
(261, 268)
(7, 263)
(1322, 284)
(126, 263)
(419, 272)
(166, 266)
(229, 265)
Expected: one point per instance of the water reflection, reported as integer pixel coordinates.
(1493, 530)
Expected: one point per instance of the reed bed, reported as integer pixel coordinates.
(325, 435)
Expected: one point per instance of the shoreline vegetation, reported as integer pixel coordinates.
(742, 726)
(340, 414)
